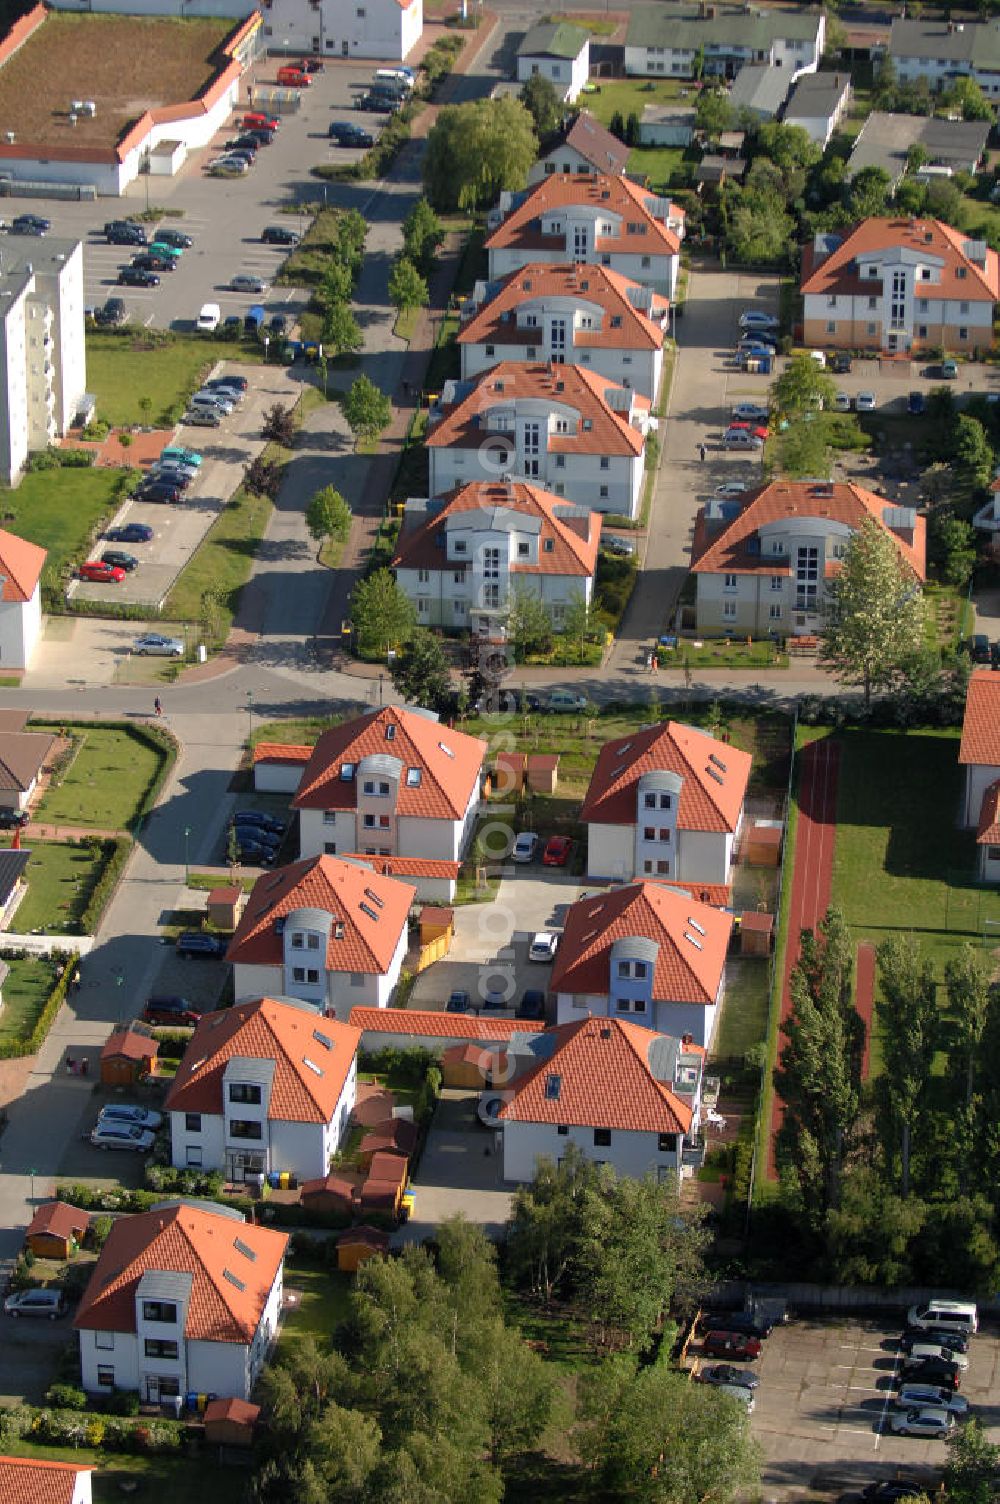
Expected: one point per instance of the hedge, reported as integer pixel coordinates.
(114, 1433)
(117, 850)
(121, 1199)
(29, 1044)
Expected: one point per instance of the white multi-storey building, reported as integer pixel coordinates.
(979, 754)
(942, 50)
(673, 40)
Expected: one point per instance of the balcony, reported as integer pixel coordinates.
(693, 1153)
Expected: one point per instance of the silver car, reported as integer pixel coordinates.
(127, 1112)
(203, 417)
(920, 1396)
(930, 1421)
(243, 282)
(122, 1136)
(153, 645)
(50, 1303)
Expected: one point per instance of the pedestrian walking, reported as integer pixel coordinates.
(157, 707)
(702, 453)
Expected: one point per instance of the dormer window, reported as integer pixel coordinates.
(245, 1092)
(461, 546)
(347, 772)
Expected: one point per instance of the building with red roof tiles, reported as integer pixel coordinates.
(583, 146)
(588, 315)
(665, 802)
(577, 434)
(648, 953)
(899, 285)
(979, 754)
(607, 221)
(21, 565)
(625, 1095)
(402, 1028)
(263, 1086)
(26, 1480)
(183, 1297)
(460, 558)
(330, 932)
(761, 561)
(392, 783)
(277, 766)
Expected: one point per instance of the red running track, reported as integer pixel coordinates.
(812, 876)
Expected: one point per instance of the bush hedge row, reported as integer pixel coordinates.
(19, 1045)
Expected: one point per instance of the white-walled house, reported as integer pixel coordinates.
(461, 559)
(818, 103)
(979, 754)
(182, 1298)
(568, 429)
(25, 756)
(942, 50)
(647, 953)
(666, 801)
(624, 1095)
(330, 932)
(395, 785)
(604, 220)
(263, 1086)
(28, 1480)
(21, 565)
(382, 30)
(560, 52)
(670, 40)
(584, 315)
(583, 145)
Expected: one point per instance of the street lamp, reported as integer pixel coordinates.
(187, 832)
(32, 1173)
(250, 714)
(120, 984)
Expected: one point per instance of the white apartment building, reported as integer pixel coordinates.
(665, 40)
(382, 30)
(941, 51)
(560, 52)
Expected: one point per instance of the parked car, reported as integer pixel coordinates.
(161, 491)
(954, 1342)
(921, 1351)
(48, 1303)
(525, 847)
(497, 994)
(232, 382)
(148, 262)
(30, 224)
(171, 475)
(131, 532)
(9, 818)
(166, 235)
(458, 1002)
(841, 363)
(278, 323)
(979, 647)
(732, 488)
(543, 946)
(122, 1136)
(563, 699)
(752, 1323)
(166, 1008)
(134, 276)
(842, 402)
(741, 438)
(246, 145)
(939, 1371)
(750, 412)
(948, 370)
(198, 943)
(209, 318)
(128, 1112)
(155, 645)
(202, 418)
(228, 167)
(725, 1373)
(253, 852)
(124, 232)
(259, 817)
(347, 133)
(278, 235)
(254, 120)
(918, 1395)
(182, 454)
(889, 1490)
(270, 840)
(865, 402)
(726, 1344)
(112, 313)
(213, 401)
(377, 104)
(916, 404)
(100, 573)
(557, 851)
(614, 543)
(927, 1422)
(119, 559)
(756, 318)
(532, 1004)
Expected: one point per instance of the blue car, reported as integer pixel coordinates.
(177, 454)
(916, 404)
(131, 532)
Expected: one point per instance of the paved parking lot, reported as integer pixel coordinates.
(458, 1172)
(825, 1389)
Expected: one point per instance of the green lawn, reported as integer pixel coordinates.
(147, 1480)
(664, 166)
(122, 370)
(723, 652)
(630, 96)
(105, 787)
(325, 1301)
(24, 994)
(744, 1013)
(60, 878)
(60, 510)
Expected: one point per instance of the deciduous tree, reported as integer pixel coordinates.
(970, 1474)
(908, 1017)
(529, 626)
(382, 615)
(802, 387)
(540, 98)
(875, 612)
(407, 288)
(475, 150)
(328, 515)
(421, 672)
(367, 409)
(341, 331)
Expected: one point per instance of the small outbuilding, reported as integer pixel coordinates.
(510, 769)
(543, 772)
(278, 767)
(472, 1066)
(335, 1194)
(56, 1230)
(225, 906)
(763, 843)
(230, 1422)
(383, 1190)
(128, 1055)
(756, 933)
(393, 1136)
(357, 1245)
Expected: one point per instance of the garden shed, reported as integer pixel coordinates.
(127, 1056)
(230, 1422)
(359, 1244)
(56, 1230)
(225, 905)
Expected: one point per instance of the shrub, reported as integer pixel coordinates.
(66, 1397)
(122, 1402)
(98, 1232)
(96, 1431)
(279, 425)
(15, 1422)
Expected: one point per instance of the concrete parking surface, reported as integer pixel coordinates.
(29, 1356)
(458, 1172)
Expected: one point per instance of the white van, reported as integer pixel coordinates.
(944, 1316)
(394, 76)
(209, 318)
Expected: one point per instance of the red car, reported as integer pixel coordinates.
(105, 574)
(557, 850)
(759, 430)
(730, 1345)
(257, 122)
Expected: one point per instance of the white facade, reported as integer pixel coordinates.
(940, 51)
(567, 74)
(382, 30)
(20, 629)
(666, 1017)
(634, 1154)
(43, 372)
(334, 993)
(277, 777)
(341, 832)
(621, 853)
(613, 488)
(658, 271)
(241, 1139)
(126, 1360)
(978, 778)
(563, 158)
(673, 49)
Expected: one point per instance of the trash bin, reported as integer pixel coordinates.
(191, 1399)
(285, 1180)
(274, 1180)
(202, 653)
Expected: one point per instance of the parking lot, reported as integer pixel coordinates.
(825, 1389)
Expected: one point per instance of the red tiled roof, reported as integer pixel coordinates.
(604, 1081)
(284, 752)
(129, 1043)
(614, 196)
(367, 1237)
(981, 726)
(574, 542)
(448, 777)
(597, 285)
(398, 1134)
(595, 143)
(268, 1030)
(241, 1412)
(725, 549)
(839, 272)
(185, 1239)
(715, 777)
(988, 833)
(388, 1167)
(563, 386)
(21, 565)
(439, 1025)
(691, 957)
(25, 1480)
(336, 887)
(408, 866)
(61, 1220)
(328, 1185)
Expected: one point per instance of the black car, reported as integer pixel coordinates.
(121, 232)
(259, 818)
(145, 262)
(120, 559)
(238, 383)
(842, 363)
(995, 654)
(176, 238)
(458, 1002)
(253, 852)
(155, 490)
(12, 817)
(261, 136)
(131, 532)
(258, 835)
(197, 943)
(30, 224)
(233, 323)
(170, 475)
(915, 404)
(376, 104)
(725, 1373)
(278, 235)
(248, 140)
(891, 1489)
(278, 324)
(346, 133)
(532, 1004)
(133, 276)
(750, 1323)
(979, 647)
(930, 1371)
(955, 1342)
(112, 313)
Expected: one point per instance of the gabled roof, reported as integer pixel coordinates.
(715, 777)
(429, 1025)
(131, 1044)
(520, 229)
(348, 891)
(598, 1075)
(22, 757)
(692, 940)
(816, 95)
(25, 1480)
(988, 833)
(927, 239)
(685, 27)
(60, 1219)
(283, 752)
(971, 43)
(450, 763)
(734, 547)
(594, 142)
(568, 537)
(585, 284)
(232, 1265)
(312, 1058)
(12, 864)
(21, 565)
(559, 386)
(981, 726)
(554, 39)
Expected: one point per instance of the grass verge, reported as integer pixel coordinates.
(107, 782)
(61, 510)
(122, 369)
(61, 876)
(26, 990)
